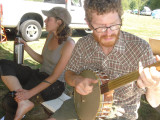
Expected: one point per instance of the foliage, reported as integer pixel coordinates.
(154, 4)
(139, 4)
(132, 5)
(125, 4)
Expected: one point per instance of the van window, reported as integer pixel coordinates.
(76, 3)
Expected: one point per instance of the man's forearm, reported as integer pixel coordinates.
(72, 78)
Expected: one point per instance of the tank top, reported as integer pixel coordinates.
(51, 58)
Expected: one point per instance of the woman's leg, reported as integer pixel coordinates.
(14, 77)
(23, 106)
(53, 91)
(11, 82)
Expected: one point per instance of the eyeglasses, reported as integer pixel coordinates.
(103, 29)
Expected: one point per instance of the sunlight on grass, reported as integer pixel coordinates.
(143, 26)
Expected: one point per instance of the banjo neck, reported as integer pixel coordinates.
(120, 81)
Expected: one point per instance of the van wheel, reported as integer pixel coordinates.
(30, 30)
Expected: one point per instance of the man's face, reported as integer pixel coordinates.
(109, 37)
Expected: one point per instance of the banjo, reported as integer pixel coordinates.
(89, 107)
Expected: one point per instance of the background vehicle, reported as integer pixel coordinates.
(156, 13)
(135, 11)
(27, 17)
(146, 11)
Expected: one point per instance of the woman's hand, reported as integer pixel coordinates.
(21, 41)
(22, 94)
(25, 44)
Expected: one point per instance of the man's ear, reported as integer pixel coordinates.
(89, 25)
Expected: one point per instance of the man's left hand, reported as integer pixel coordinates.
(149, 77)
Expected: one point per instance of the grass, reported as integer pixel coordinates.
(143, 26)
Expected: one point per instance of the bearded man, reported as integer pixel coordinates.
(114, 53)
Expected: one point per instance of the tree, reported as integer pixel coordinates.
(132, 5)
(125, 4)
(154, 4)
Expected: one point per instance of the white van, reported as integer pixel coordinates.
(26, 16)
(146, 11)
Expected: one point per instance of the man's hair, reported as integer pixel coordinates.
(101, 7)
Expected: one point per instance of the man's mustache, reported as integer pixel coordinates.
(108, 36)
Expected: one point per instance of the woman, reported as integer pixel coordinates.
(49, 81)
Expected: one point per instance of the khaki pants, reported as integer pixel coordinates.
(68, 112)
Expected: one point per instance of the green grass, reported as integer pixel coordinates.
(143, 26)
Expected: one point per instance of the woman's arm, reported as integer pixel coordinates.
(65, 56)
(36, 56)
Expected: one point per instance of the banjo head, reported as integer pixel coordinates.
(87, 106)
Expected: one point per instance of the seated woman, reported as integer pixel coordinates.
(49, 80)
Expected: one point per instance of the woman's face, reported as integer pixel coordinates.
(52, 24)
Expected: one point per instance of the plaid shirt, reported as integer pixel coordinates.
(124, 58)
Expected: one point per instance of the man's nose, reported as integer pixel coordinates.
(108, 31)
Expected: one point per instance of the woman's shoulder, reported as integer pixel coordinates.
(68, 46)
(70, 41)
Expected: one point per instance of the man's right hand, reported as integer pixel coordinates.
(84, 86)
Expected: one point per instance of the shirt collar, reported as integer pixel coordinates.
(120, 44)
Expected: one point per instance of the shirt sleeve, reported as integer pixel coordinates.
(75, 61)
(148, 58)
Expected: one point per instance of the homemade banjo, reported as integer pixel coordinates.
(89, 107)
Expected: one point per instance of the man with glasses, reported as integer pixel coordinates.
(114, 53)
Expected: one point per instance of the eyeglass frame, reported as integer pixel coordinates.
(106, 28)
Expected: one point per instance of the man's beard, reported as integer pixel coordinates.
(109, 43)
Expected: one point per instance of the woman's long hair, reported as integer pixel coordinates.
(63, 32)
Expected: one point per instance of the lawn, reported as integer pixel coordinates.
(143, 26)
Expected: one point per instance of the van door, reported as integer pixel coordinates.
(75, 7)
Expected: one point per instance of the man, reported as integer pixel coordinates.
(115, 53)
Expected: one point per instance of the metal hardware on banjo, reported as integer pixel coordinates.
(90, 107)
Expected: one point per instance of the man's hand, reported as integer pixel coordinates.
(22, 94)
(149, 77)
(84, 85)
